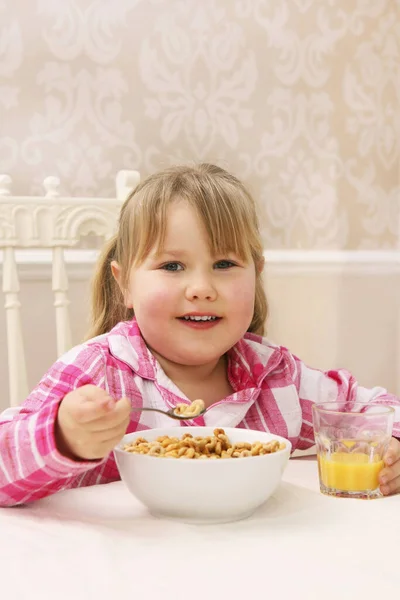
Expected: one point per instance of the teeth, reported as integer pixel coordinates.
(205, 318)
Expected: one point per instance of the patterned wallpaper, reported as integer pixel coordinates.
(300, 98)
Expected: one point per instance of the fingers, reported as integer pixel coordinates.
(108, 435)
(119, 414)
(389, 473)
(102, 415)
(101, 449)
(90, 423)
(89, 411)
(393, 452)
(92, 409)
(391, 487)
(389, 477)
(102, 442)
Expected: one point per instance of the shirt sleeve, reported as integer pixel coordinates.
(31, 467)
(314, 385)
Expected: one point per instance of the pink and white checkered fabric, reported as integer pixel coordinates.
(273, 391)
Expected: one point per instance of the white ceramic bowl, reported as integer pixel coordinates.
(202, 491)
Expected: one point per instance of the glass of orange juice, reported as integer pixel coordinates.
(351, 442)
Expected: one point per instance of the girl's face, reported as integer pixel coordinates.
(170, 292)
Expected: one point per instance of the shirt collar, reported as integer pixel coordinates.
(251, 359)
(126, 344)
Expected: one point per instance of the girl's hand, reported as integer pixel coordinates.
(90, 423)
(389, 477)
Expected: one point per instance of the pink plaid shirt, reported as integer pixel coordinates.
(273, 391)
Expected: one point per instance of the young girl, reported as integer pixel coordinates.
(178, 314)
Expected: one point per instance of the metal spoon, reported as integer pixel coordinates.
(170, 413)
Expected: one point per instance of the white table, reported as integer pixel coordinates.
(100, 543)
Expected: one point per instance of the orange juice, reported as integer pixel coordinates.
(350, 472)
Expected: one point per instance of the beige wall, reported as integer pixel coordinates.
(347, 320)
(331, 320)
(298, 97)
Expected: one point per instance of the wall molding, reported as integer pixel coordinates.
(36, 264)
(322, 262)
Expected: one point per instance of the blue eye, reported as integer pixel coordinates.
(172, 266)
(224, 264)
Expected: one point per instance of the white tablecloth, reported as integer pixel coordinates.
(100, 543)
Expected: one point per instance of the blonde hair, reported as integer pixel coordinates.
(223, 204)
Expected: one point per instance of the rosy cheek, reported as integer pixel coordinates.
(243, 292)
(154, 302)
(242, 299)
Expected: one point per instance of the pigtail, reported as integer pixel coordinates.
(258, 323)
(107, 302)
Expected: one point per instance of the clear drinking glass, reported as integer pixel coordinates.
(351, 442)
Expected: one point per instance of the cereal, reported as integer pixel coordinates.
(191, 410)
(217, 446)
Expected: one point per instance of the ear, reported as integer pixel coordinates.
(260, 266)
(116, 271)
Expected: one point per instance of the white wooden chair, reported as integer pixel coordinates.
(54, 223)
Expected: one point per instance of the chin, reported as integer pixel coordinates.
(196, 360)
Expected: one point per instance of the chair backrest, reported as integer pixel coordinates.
(55, 223)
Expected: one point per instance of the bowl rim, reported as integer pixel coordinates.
(119, 450)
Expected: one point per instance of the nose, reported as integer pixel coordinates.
(201, 287)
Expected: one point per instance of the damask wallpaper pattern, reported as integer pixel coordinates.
(300, 98)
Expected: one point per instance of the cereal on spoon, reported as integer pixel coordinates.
(192, 410)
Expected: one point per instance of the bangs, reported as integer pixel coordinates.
(227, 230)
(224, 207)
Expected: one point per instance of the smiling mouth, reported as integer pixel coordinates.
(199, 319)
